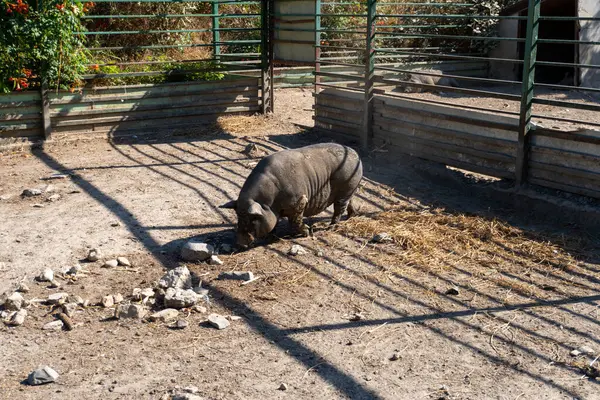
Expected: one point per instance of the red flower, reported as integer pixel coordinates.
(60, 7)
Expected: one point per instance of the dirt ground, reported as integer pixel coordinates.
(470, 300)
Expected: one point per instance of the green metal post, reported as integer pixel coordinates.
(367, 127)
(46, 119)
(317, 44)
(266, 50)
(530, 56)
(215, 30)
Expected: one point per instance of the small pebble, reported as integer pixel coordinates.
(453, 291)
(42, 376)
(23, 288)
(297, 250)
(93, 255)
(181, 324)
(123, 261)
(395, 357)
(118, 298)
(283, 386)
(57, 298)
(214, 260)
(46, 276)
(18, 318)
(111, 264)
(53, 326)
(53, 198)
(218, 321)
(108, 301)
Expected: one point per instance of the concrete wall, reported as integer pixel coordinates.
(590, 31)
(506, 49)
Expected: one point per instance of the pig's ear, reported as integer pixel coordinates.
(255, 210)
(230, 204)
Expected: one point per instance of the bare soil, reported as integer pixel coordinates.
(351, 319)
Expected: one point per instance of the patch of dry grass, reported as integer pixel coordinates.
(488, 251)
(245, 125)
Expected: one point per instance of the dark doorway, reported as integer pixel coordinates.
(554, 52)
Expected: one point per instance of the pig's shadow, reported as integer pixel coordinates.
(227, 237)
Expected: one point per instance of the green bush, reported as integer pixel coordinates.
(40, 40)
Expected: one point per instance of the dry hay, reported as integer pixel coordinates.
(245, 125)
(489, 251)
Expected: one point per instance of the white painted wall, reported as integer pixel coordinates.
(506, 49)
(589, 54)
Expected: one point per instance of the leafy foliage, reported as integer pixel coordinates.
(41, 41)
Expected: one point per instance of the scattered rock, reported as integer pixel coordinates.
(54, 285)
(117, 298)
(110, 264)
(49, 189)
(142, 295)
(186, 396)
(53, 326)
(74, 269)
(181, 324)
(234, 317)
(356, 317)
(200, 309)
(42, 376)
(93, 255)
(123, 261)
(17, 318)
(69, 309)
(226, 248)
(237, 275)
(31, 192)
(453, 291)
(57, 298)
(177, 278)
(180, 298)
(166, 315)
(297, 250)
(191, 389)
(55, 176)
(382, 237)
(252, 150)
(196, 251)
(135, 311)
(395, 357)
(218, 321)
(283, 386)
(214, 260)
(115, 224)
(85, 304)
(23, 288)
(75, 300)
(5, 197)
(107, 301)
(46, 276)
(575, 353)
(53, 198)
(14, 302)
(38, 205)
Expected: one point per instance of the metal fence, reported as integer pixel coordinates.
(155, 63)
(511, 94)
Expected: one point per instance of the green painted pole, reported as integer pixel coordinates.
(317, 44)
(529, 60)
(216, 32)
(367, 127)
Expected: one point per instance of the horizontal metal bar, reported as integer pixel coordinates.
(125, 16)
(340, 76)
(174, 46)
(332, 85)
(565, 41)
(417, 26)
(318, 30)
(159, 73)
(439, 88)
(424, 4)
(456, 37)
(567, 87)
(318, 15)
(458, 77)
(143, 32)
(567, 104)
(450, 16)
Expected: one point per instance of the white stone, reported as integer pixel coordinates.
(196, 251)
(53, 326)
(297, 250)
(218, 321)
(179, 277)
(47, 275)
(166, 315)
(111, 264)
(42, 375)
(179, 298)
(18, 318)
(14, 302)
(57, 298)
(123, 261)
(134, 311)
